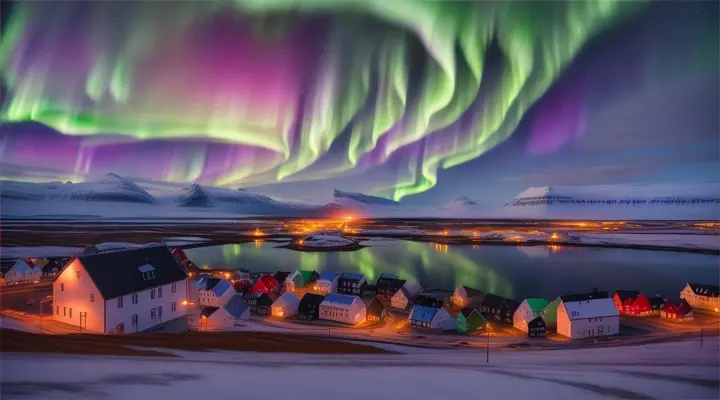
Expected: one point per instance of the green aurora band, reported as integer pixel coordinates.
(366, 84)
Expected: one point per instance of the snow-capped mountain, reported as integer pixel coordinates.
(111, 188)
(461, 201)
(359, 199)
(237, 200)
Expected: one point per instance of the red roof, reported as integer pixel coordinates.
(179, 254)
(266, 284)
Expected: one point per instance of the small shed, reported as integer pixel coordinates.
(536, 327)
(432, 318)
(677, 310)
(375, 311)
(465, 296)
(238, 308)
(327, 283)
(528, 310)
(215, 319)
(343, 308)
(470, 320)
(265, 284)
(285, 306)
(309, 307)
(624, 299)
(260, 303)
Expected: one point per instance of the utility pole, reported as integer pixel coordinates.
(487, 353)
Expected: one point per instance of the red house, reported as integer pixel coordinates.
(677, 310)
(640, 306)
(266, 284)
(624, 299)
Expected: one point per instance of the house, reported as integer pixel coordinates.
(285, 306)
(300, 279)
(215, 292)
(343, 308)
(586, 318)
(260, 303)
(241, 279)
(309, 307)
(470, 320)
(375, 311)
(677, 310)
(656, 304)
(528, 310)
(238, 308)
(549, 314)
(536, 327)
(369, 292)
(508, 311)
(402, 299)
(327, 283)
(702, 297)
(624, 299)
(433, 298)
(351, 283)
(265, 284)
(127, 290)
(388, 285)
(215, 319)
(640, 306)
(23, 272)
(281, 277)
(465, 296)
(54, 266)
(433, 318)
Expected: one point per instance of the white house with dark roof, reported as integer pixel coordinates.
(238, 308)
(587, 317)
(214, 292)
(129, 290)
(343, 308)
(431, 317)
(215, 319)
(702, 297)
(23, 272)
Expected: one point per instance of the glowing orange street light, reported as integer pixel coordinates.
(185, 302)
(349, 218)
(227, 275)
(301, 242)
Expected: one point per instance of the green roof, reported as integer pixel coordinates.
(537, 303)
(306, 275)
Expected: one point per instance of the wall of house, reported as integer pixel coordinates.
(522, 316)
(399, 301)
(76, 295)
(443, 320)
(220, 320)
(700, 302)
(586, 327)
(145, 306)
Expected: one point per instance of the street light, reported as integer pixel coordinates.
(487, 354)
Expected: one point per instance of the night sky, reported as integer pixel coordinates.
(416, 101)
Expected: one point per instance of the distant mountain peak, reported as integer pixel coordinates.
(463, 200)
(352, 197)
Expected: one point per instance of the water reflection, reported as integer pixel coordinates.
(505, 270)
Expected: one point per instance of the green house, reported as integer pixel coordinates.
(470, 320)
(549, 313)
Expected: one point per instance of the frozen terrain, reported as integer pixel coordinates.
(325, 240)
(118, 197)
(679, 370)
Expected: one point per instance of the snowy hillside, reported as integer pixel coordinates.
(682, 201)
(359, 199)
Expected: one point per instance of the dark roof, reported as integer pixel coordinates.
(537, 321)
(627, 294)
(493, 301)
(375, 307)
(467, 311)
(58, 263)
(262, 297)
(116, 273)
(584, 296)
(436, 293)
(310, 299)
(280, 276)
(471, 292)
(705, 290)
(391, 284)
(236, 306)
(208, 311)
(677, 303)
(511, 305)
(351, 276)
(656, 301)
(210, 283)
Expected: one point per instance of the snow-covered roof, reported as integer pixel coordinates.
(352, 276)
(21, 266)
(423, 314)
(221, 287)
(328, 276)
(591, 308)
(236, 306)
(287, 300)
(338, 300)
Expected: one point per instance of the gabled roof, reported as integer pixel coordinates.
(656, 301)
(592, 308)
(353, 276)
(386, 275)
(280, 276)
(270, 297)
(221, 287)
(511, 305)
(467, 311)
(678, 304)
(423, 314)
(403, 290)
(537, 303)
(328, 276)
(584, 296)
(115, 273)
(625, 295)
(471, 292)
(390, 283)
(375, 307)
(208, 311)
(289, 300)
(210, 282)
(339, 300)
(22, 266)
(307, 276)
(493, 301)
(705, 290)
(236, 306)
(536, 321)
(310, 299)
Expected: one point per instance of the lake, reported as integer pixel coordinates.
(516, 272)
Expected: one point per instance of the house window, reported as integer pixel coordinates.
(160, 311)
(64, 312)
(92, 297)
(174, 287)
(153, 313)
(134, 320)
(120, 302)
(134, 298)
(152, 294)
(77, 273)
(57, 310)
(62, 287)
(173, 307)
(159, 292)
(70, 313)
(149, 275)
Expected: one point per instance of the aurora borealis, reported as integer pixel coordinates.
(248, 93)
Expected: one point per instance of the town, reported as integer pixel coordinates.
(154, 288)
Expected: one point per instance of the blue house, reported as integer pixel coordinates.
(433, 318)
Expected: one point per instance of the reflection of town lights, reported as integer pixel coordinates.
(554, 236)
(349, 218)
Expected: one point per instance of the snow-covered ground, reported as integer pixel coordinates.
(62, 251)
(321, 240)
(680, 370)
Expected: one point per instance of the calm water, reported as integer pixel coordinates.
(508, 271)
